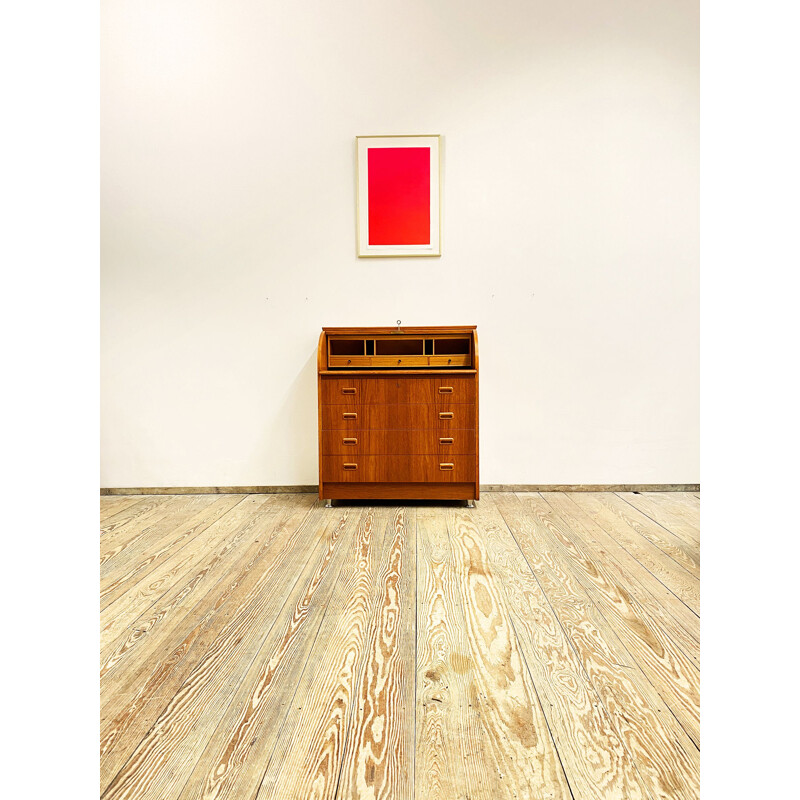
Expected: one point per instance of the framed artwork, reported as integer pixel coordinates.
(398, 196)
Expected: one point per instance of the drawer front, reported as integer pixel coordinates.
(403, 442)
(397, 389)
(414, 416)
(398, 469)
(450, 361)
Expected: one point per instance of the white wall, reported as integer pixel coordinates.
(570, 233)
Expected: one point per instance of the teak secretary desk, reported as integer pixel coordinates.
(398, 413)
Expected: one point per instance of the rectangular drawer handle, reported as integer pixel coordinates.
(349, 415)
(348, 390)
(349, 441)
(446, 466)
(446, 440)
(445, 390)
(445, 415)
(350, 466)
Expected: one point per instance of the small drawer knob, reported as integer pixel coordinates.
(445, 415)
(350, 466)
(445, 390)
(349, 415)
(446, 466)
(446, 440)
(348, 389)
(349, 441)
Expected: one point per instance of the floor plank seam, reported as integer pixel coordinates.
(200, 599)
(658, 691)
(578, 658)
(188, 678)
(385, 550)
(276, 662)
(416, 646)
(654, 521)
(622, 645)
(185, 544)
(661, 548)
(290, 704)
(632, 578)
(146, 611)
(320, 545)
(541, 706)
(641, 586)
(669, 589)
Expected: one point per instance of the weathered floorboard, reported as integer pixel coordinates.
(624, 570)
(308, 757)
(222, 626)
(232, 763)
(595, 759)
(519, 745)
(675, 577)
(379, 753)
(452, 758)
(665, 755)
(266, 648)
(669, 669)
(111, 506)
(683, 553)
(122, 576)
(664, 513)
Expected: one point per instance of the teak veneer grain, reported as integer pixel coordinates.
(401, 424)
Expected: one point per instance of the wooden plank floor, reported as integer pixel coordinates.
(537, 646)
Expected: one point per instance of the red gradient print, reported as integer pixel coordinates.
(399, 186)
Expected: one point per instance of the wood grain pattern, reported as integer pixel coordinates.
(397, 388)
(399, 491)
(423, 442)
(594, 757)
(163, 760)
(668, 667)
(684, 525)
(609, 653)
(135, 697)
(282, 650)
(687, 554)
(378, 760)
(399, 416)
(308, 756)
(676, 578)
(146, 632)
(166, 571)
(674, 615)
(120, 574)
(123, 529)
(232, 763)
(451, 468)
(519, 745)
(111, 506)
(451, 750)
(381, 428)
